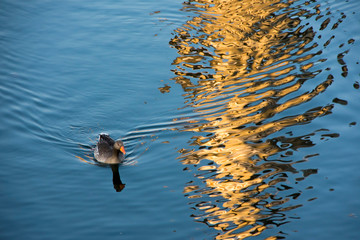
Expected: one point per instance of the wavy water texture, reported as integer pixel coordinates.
(252, 70)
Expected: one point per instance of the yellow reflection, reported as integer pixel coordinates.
(242, 66)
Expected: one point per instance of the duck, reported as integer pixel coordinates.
(109, 151)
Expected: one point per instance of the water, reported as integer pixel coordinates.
(240, 119)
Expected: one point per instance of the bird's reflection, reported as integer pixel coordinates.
(118, 184)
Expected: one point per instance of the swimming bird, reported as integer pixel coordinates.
(109, 151)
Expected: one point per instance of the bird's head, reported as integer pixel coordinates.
(119, 145)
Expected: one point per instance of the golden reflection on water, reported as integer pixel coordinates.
(242, 66)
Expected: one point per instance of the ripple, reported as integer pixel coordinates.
(255, 71)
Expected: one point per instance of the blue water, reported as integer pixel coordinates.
(70, 70)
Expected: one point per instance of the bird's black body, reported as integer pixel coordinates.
(109, 151)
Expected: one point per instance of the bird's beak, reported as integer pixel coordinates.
(122, 149)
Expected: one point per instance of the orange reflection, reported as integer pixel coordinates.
(242, 66)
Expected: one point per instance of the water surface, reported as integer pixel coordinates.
(240, 119)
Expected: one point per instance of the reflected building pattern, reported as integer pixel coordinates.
(251, 70)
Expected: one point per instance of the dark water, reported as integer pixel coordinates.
(240, 119)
